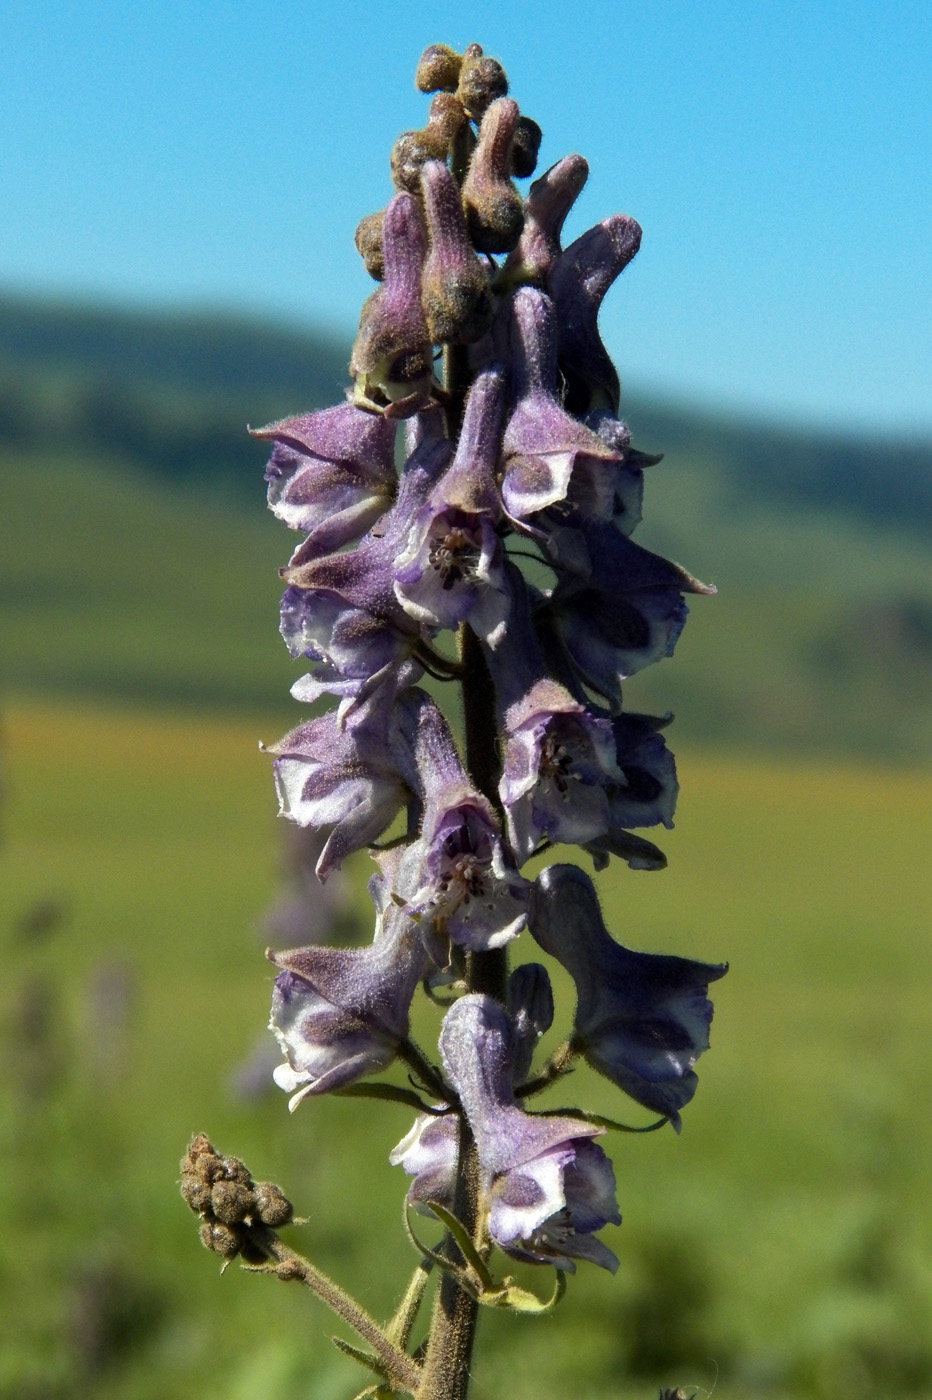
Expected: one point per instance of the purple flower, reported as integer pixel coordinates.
(559, 767)
(546, 1187)
(617, 607)
(494, 208)
(429, 1154)
(450, 567)
(350, 781)
(549, 456)
(341, 610)
(455, 285)
(530, 1007)
(331, 473)
(548, 202)
(559, 757)
(456, 877)
(642, 1019)
(341, 1013)
(392, 359)
(579, 280)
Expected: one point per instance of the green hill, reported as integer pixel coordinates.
(136, 558)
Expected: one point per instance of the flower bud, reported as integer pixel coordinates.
(392, 359)
(494, 210)
(231, 1201)
(272, 1206)
(412, 149)
(438, 69)
(548, 202)
(369, 243)
(528, 137)
(454, 286)
(482, 80)
(225, 1240)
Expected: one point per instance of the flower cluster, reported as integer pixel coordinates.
(506, 529)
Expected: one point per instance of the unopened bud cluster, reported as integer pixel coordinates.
(232, 1207)
(432, 246)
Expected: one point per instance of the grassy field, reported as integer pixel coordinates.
(783, 1242)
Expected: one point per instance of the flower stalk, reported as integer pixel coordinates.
(504, 535)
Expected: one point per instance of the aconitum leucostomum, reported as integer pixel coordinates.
(498, 561)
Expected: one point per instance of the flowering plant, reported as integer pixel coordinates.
(498, 559)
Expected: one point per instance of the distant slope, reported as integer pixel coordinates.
(174, 391)
(137, 559)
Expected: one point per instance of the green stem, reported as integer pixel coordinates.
(402, 1369)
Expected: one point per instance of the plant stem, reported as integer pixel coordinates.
(446, 1371)
(401, 1368)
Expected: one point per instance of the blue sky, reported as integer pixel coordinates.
(778, 156)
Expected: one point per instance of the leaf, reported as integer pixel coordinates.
(468, 1250)
(596, 1118)
(371, 1363)
(390, 1093)
(522, 1300)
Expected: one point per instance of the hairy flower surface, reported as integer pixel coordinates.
(341, 1013)
(642, 1019)
(547, 1187)
(457, 878)
(331, 474)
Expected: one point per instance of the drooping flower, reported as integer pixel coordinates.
(331, 474)
(578, 282)
(392, 359)
(457, 877)
(617, 607)
(546, 1186)
(642, 1019)
(549, 455)
(559, 761)
(350, 782)
(530, 1007)
(451, 566)
(341, 612)
(341, 1013)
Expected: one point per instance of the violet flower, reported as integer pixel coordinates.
(578, 282)
(341, 1013)
(457, 878)
(548, 202)
(392, 359)
(530, 1007)
(546, 1187)
(642, 1019)
(352, 782)
(331, 473)
(560, 759)
(549, 456)
(341, 611)
(617, 607)
(455, 285)
(451, 567)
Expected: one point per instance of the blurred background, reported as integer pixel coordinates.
(181, 187)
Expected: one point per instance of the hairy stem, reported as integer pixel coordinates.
(404, 1372)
